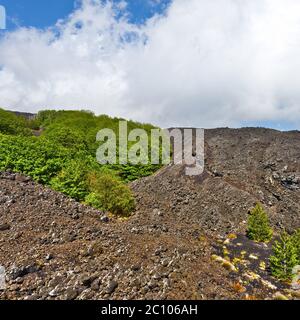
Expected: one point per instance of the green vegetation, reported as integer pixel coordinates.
(109, 193)
(284, 257)
(286, 250)
(296, 243)
(12, 124)
(40, 159)
(72, 179)
(63, 156)
(258, 225)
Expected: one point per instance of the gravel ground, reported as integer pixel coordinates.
(171, 248)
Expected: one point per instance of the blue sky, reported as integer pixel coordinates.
(42, 13)
(35, 13)
(278, 125)
(205, 63)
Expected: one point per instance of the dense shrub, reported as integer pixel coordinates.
(129, 173)
(284, 257)
(72, 179)
(296, 243)
(63, 157)
(12, 124)
(67, 137)
(258, 225)
(37, 158)
(110, 194)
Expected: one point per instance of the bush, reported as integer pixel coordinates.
(39, 159)
(77, 130)
(108, 193)
(296, 243)
(284, 258)
(258, 225)
(72, 180)
(66, 137)
(129, 173)
(12, 124)
(63, 156)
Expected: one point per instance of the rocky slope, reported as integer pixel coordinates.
(171, 248)
(55, 248)
(242, 167)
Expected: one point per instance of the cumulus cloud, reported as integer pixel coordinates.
(201, 63)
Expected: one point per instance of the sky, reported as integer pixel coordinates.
(203, 63)
(45, 13)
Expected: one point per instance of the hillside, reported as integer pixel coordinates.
(58, 149)
(242, 167)
(55, 248)
(172, 246)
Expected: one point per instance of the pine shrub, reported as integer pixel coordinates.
(258, 225)
(296, 243)
(284, 257)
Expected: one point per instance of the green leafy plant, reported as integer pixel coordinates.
(258, 225)
(110, 194)
(72, 180)
(12, 124)
(39, 159)
(62, 156)
(67, 137)
(284, 257)
(296, 243)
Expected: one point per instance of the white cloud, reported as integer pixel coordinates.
(203, 63)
